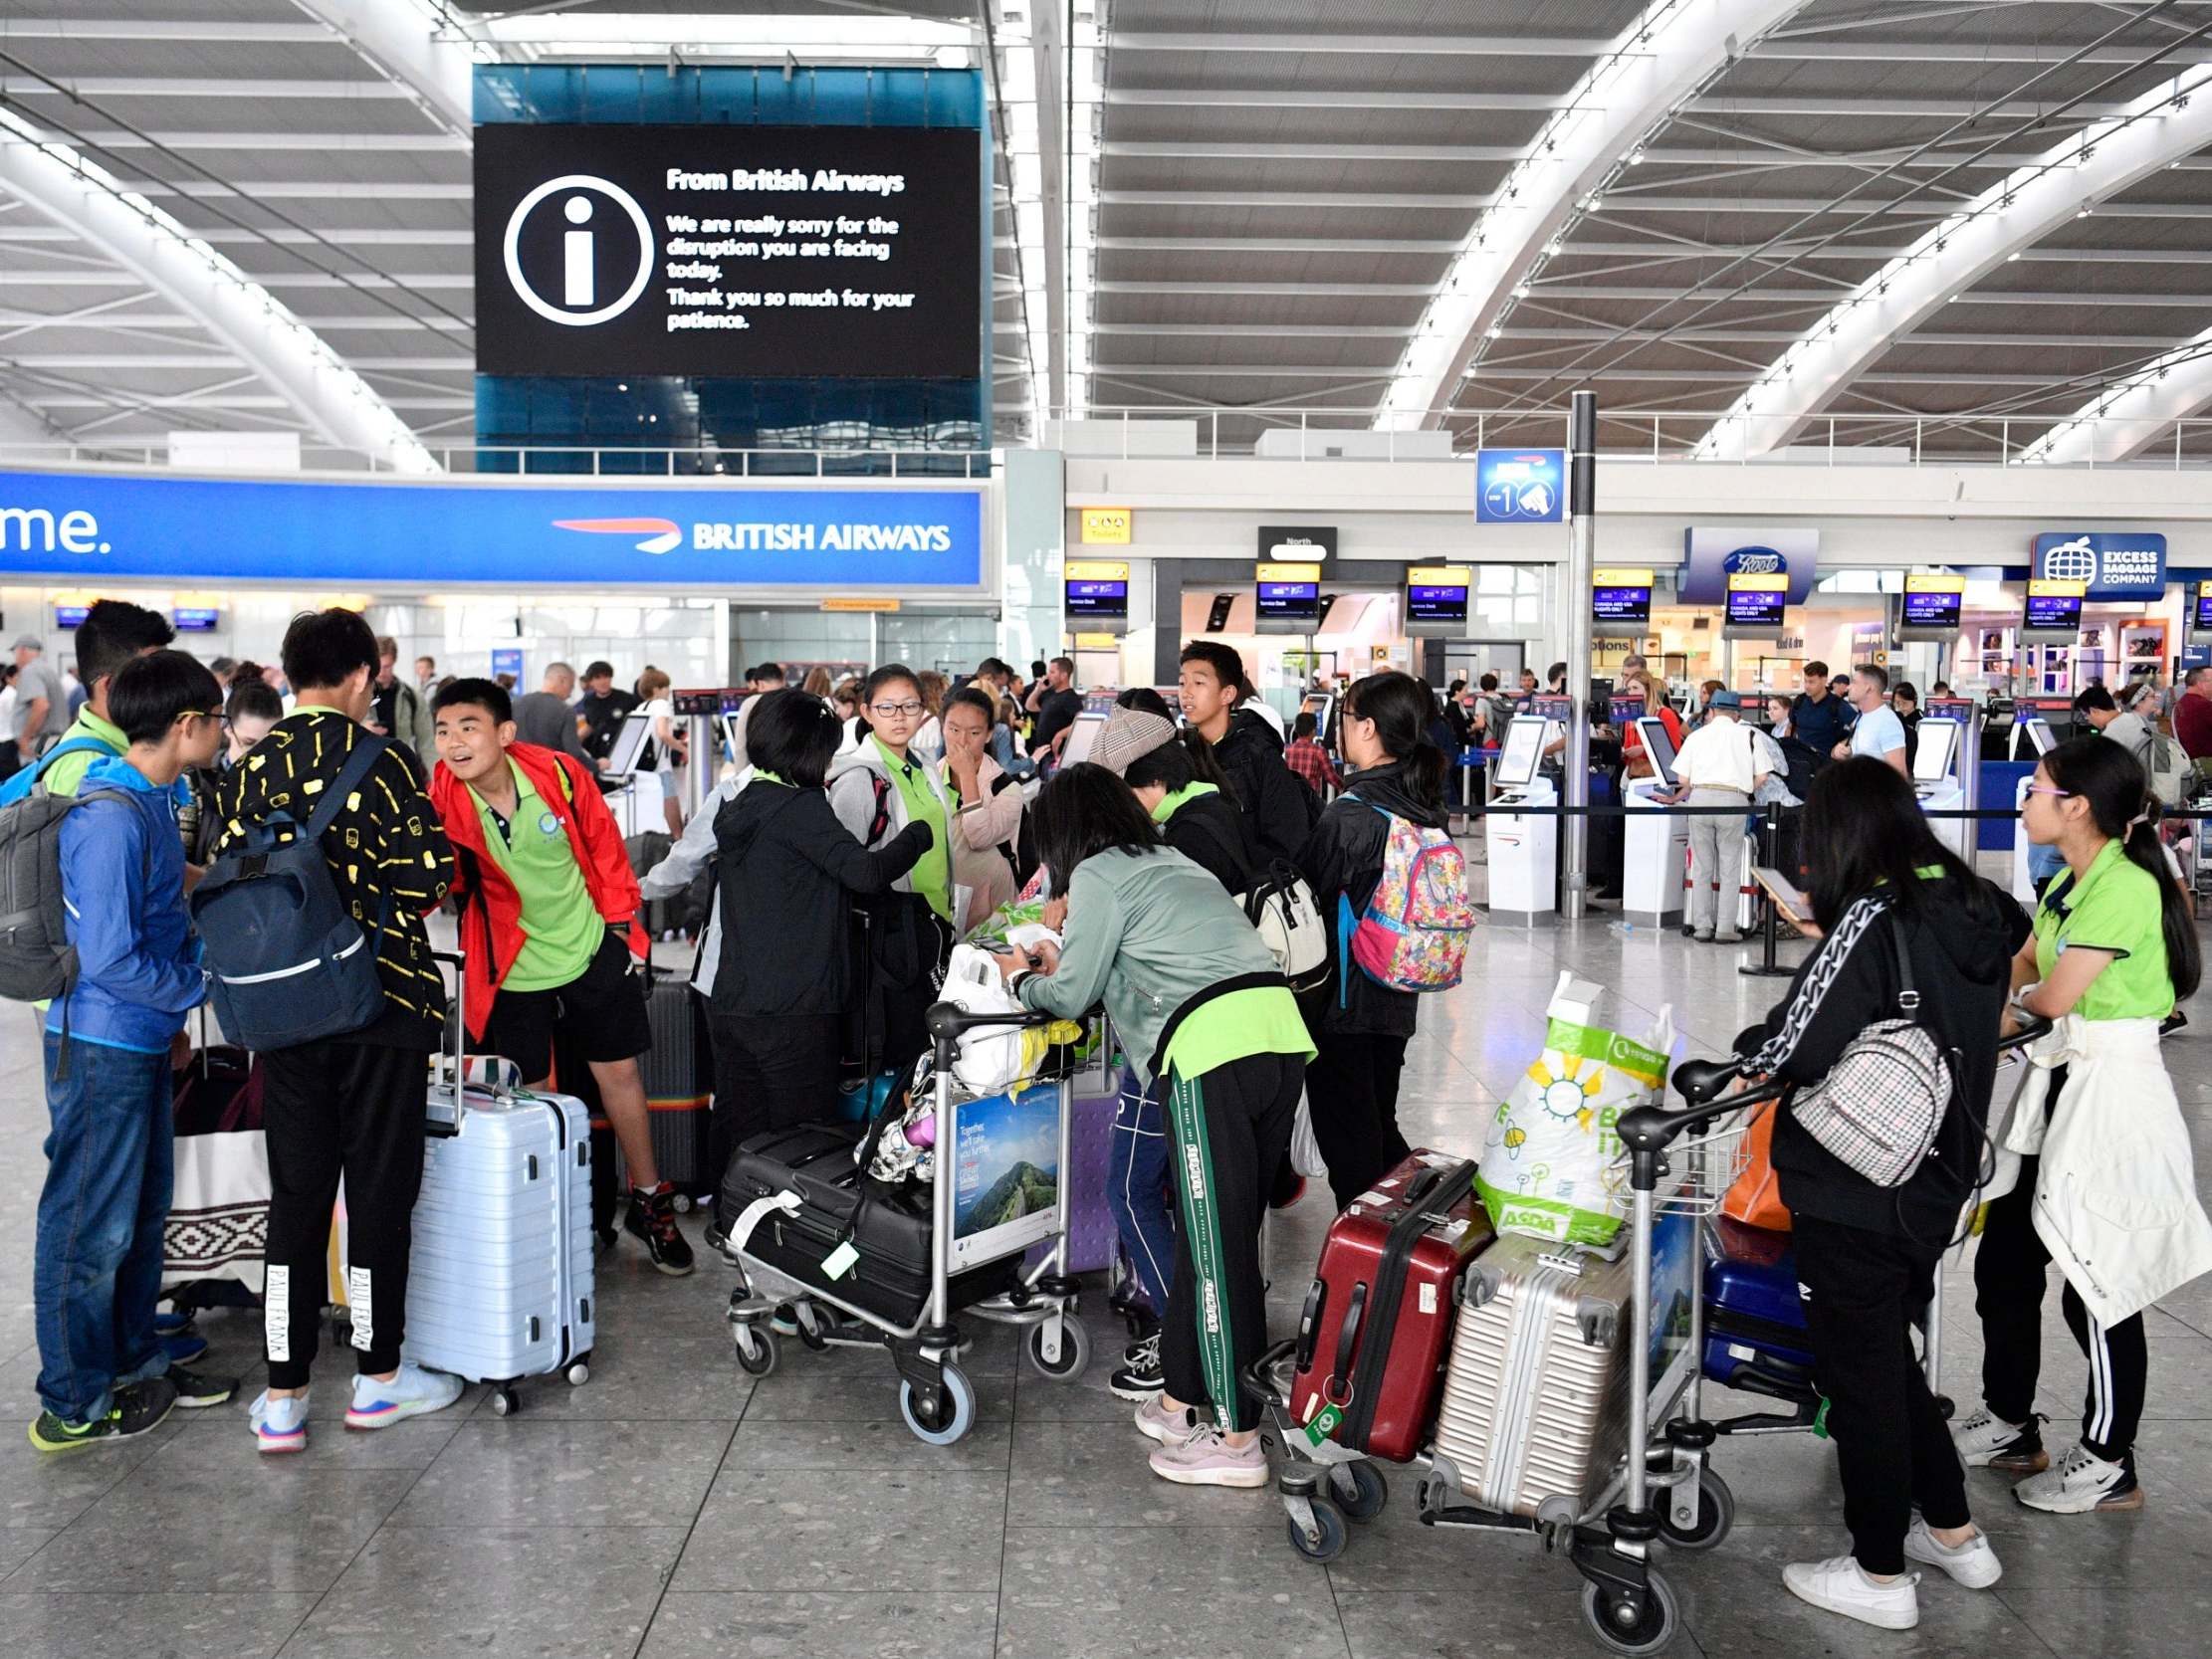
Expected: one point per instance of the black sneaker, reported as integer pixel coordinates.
(1145, 1323)
(1141, 1378)
(195, 1391)
(135, 1409)
(652, 1223)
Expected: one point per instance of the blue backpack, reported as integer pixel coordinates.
(290, 963)
(21, 785)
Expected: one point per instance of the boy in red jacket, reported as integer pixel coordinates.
(549, 924)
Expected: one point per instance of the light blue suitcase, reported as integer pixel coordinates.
(500, 1283)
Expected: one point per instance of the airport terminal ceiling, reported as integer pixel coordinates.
(1956, 225)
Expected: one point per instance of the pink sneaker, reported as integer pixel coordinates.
(1169, 1428)
(1207, 1459)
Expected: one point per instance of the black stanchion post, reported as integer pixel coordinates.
(1766, 968)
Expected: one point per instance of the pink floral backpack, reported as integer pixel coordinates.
(1413, 934)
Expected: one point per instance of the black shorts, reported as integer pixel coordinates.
(601, 1012)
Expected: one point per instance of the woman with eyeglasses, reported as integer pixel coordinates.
(2107, 1185)
(876, 790)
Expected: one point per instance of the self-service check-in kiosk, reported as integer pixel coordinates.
(1523, 847)
(1656, 848)
(2038, 740)
(1937, 784)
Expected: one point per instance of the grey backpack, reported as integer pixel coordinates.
(37, 960)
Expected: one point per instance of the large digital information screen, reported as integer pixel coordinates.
(1437, 597)
(1287, 596)
(1096, 589)
(744, 251)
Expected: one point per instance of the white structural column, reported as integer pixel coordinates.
(242, 316)
(394, 38)
(2125, 416)
(2066, 181)
(1641, 77)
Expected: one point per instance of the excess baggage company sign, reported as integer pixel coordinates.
(77, 525)
(2110, 565)
(729, 250)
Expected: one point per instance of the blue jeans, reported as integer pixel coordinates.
(109, 1165)
(1137, 1188)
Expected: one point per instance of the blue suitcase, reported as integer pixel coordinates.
(1755, 1335)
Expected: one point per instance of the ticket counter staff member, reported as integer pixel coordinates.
(1721, 764)
(2106, 1187)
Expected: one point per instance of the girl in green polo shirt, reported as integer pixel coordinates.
(1196, 999)
(2106, 1187)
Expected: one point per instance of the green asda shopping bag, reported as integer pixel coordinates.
(1546, 1164)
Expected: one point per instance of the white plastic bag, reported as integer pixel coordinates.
(995, 1058)
(1305, 1149)
(1544, 1166)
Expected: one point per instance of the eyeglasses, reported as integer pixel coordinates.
(2052, 791)
(907, 708)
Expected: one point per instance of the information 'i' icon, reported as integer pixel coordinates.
(576, 252)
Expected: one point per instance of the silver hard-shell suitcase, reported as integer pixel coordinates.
(500, 1281)
(1535, 1396)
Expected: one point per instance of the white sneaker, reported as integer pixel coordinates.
(1840, 1587)
(1972, 1564)
(1986, 1441)
(2081, 1482)
(279, 1425)
(1169, 1428)
(411, 1392)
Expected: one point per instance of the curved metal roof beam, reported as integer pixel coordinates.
(2062, 184)
(2123, 419)
(338, 404)
(1658, 63)
(394, 38)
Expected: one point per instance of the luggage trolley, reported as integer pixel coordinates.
(1755, 1337)
(1628, 1604)
(979, 1271)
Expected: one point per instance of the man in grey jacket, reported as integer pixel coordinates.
(547, 717)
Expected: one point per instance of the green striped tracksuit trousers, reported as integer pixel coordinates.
(1230, 1127)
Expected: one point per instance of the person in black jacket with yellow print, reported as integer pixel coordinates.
(1867, 1255)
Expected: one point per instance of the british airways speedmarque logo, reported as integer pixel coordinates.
(661, 535)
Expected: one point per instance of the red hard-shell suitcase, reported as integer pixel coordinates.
(1377, 1326)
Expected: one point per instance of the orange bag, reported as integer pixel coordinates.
(1756, 1197)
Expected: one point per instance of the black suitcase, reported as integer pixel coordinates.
(888, 1225)
(679, 1084)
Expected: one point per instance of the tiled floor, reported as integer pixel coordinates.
(676, 1509)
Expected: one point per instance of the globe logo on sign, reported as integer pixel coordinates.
(2070, 561)
(572, 278)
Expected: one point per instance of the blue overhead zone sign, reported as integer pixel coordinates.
(2116, 565)
(89, 526)
(1520, 485)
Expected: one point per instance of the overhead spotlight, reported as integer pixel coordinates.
(1596, 204)
(2009, 257)
(1520, 290)
(2083, 214)
(1636, 156)
(1552, 248)
(1496, 331)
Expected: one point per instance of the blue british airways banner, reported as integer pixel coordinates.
(87, 526)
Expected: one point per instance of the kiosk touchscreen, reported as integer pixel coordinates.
(1655, 855)
(637, 808)
(1080, 737)
(1523, 847)
(1935, 763)
(2035, 737)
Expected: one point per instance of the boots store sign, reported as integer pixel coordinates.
(84, 526)
(730, 250)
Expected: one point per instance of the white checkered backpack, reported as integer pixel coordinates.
(1881, 1104)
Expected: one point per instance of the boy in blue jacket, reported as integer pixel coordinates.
(102, 1374)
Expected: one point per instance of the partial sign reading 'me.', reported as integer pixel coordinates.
(729, 250)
